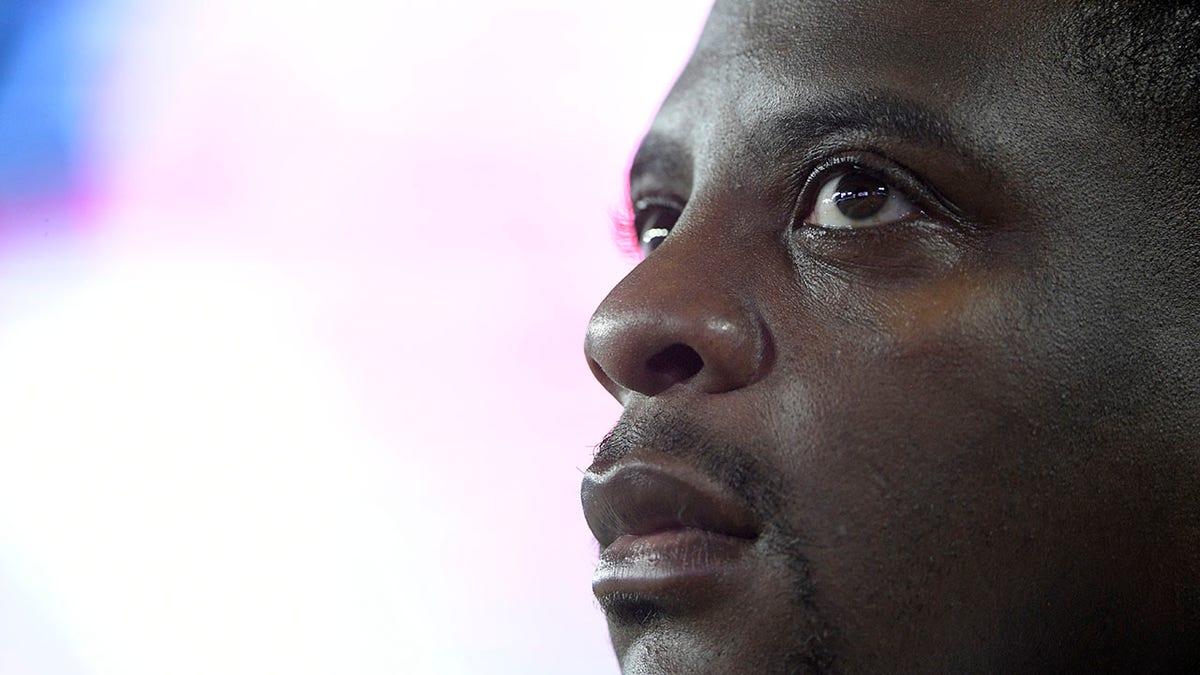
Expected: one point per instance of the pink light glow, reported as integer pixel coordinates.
(302, 390)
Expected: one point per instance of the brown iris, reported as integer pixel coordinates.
(860, 195)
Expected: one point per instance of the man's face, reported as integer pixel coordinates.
(910, 383)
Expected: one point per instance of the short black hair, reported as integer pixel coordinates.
(1143, 59)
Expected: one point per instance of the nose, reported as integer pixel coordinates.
(675, 323)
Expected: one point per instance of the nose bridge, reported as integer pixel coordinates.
(682, 318)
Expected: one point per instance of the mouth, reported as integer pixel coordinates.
(665, 530)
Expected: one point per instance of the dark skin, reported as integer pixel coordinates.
(968, 429)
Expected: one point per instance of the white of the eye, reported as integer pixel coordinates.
(654, 233)
(826, 213)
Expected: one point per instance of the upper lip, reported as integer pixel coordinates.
(642, 495)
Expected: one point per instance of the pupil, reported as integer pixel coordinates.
(860, 195)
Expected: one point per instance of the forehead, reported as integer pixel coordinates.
(909, 42)
(958, 64)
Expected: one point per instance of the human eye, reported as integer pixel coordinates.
(856, 198)
(653, 220)
(872, 216)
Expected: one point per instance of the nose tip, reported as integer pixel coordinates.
(704, 341)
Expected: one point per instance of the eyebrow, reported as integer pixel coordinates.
(864, 112)
(780, 135)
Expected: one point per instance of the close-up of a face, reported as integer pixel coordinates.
(910, 371)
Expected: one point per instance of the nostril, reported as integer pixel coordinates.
(676, 363)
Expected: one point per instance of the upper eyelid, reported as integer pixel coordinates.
(641, 203)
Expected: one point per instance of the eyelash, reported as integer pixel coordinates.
(625, 234)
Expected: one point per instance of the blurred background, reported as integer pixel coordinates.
(292, 297)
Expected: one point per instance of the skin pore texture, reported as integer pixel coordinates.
(911, 368)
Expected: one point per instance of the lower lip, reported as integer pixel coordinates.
(669, 561)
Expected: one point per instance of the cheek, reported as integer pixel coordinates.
(917, 457)
(904, 402)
